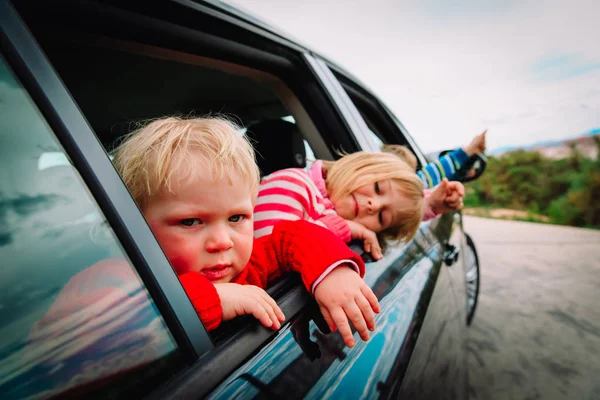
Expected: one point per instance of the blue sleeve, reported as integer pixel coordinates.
(444, 167)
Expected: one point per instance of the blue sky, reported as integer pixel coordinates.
(527, 70)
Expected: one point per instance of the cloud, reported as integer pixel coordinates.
(24, 206)
(445, 9)
(448, 69)
(557, 67)
(6, 238)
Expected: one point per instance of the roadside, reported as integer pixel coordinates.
(536, 332)
(506, 214)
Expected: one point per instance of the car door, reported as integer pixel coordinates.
(436, 353)
(82, 101)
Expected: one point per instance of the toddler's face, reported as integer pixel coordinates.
(206, 226)
(375, 205)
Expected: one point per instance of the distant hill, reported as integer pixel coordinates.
(550, 148)
(557, 149)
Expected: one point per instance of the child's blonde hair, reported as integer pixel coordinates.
(149, 158)
(403, 152)
(357, 169)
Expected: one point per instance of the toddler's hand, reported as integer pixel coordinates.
(477, 145)
(238, 300)
(447, 196)
(371, 244)
(343, 295)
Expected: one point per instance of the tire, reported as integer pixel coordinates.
(473, 278)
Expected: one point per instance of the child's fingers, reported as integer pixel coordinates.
(272, 314)
(371, 298)
(357, 318)
(276, 309)
(341, 321)
(259, 312)
(263, 301)
(377, 254)
(328, 318)
(452, 198)
(367, 311)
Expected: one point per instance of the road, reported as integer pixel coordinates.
(536, 334)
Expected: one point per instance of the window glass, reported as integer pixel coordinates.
(310, 155)
(75, 318)
(374, 139)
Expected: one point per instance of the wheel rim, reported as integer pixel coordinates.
(472, 275)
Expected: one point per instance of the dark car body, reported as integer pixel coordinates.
(85, 69)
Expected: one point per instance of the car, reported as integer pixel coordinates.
(75, 78)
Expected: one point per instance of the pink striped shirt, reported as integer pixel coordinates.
(293, 194)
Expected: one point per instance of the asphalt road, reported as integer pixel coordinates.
(536, 334)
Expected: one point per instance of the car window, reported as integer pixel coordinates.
(374, 139)
(383, 127)
(310, 154)
(75, 317)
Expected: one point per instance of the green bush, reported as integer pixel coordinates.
(566, 190)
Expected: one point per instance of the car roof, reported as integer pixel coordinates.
(244, 17)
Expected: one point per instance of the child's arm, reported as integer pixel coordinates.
(322, 260)
(343, 295)
(298, 246)
(447, 196)
(225, 301)
(446, 166)
(371, 244)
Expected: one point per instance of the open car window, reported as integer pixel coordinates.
(383, 127)
(119, 80)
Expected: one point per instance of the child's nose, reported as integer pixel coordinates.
(373, 205)
(219, 240)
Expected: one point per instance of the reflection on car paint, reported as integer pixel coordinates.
(282, 369)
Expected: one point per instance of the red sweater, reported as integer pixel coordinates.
(298, 246)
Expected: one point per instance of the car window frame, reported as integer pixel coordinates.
(48, 93)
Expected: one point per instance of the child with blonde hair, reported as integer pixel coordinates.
(196, 182)
(364, 195)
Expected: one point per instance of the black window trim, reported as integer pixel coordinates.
(342, 101)
(89, 158)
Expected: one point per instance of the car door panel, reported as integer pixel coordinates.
(302, 362)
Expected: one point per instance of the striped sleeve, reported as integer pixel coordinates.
(282, 196)
(290, 195)
(444, 167)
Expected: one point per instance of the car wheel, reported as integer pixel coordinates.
(473, 278)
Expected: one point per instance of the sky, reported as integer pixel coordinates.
(526, 70)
